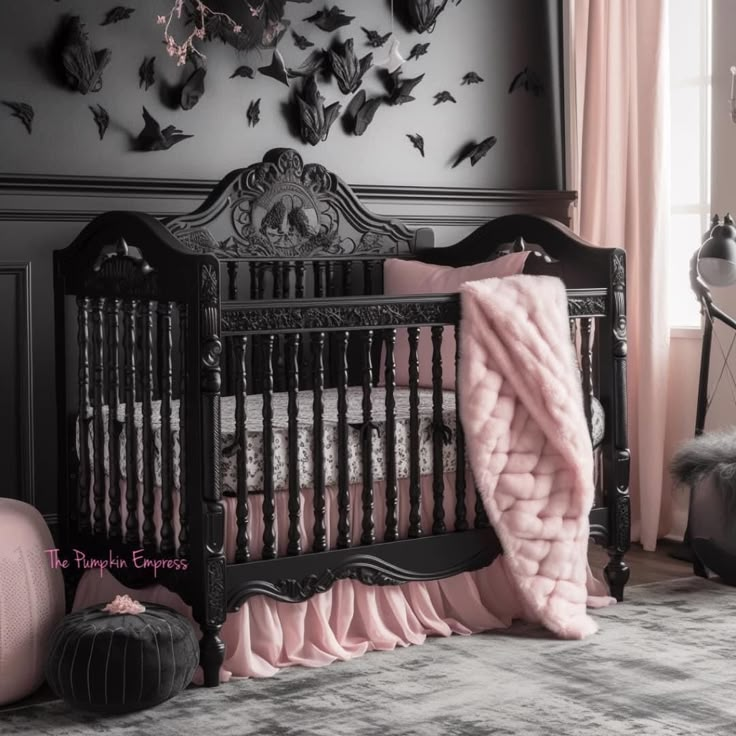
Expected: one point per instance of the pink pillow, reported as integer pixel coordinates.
(401, 278)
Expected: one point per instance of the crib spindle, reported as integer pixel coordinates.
(232, 280)
(149, 478)
(168, 544)
(258, 274)
(98, 365)
(113, 427)
(242, 549)
(331, 285)
(368, 535)
(586, 353)
(320, 278)
(269, 510)
(415, 521)
(320, 531)
(131, 438)
(461, 514)
(392, 520)
(294, 546)
(261, 279)
(438, 431)
(290, 279)
(84, 410)
(299, 289)
(343, 479)
(253, 278)
(347, 277)
(183, 413)
(278, 280)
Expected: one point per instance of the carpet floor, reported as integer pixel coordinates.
(663, 664)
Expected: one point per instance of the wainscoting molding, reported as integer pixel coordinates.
(20, 273)
(41, 213)
(80, 198)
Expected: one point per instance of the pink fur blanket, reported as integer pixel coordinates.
(528, 444)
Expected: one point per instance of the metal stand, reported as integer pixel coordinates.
(711, 313)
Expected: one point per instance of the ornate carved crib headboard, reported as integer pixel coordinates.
(284, 208)
(283, 229)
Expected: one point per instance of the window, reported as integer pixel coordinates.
(690, 93)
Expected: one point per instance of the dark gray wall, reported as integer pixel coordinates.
(40, 212)
(495, 38)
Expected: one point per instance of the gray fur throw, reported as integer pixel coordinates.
(714, 452)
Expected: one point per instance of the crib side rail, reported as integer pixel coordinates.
(256, 328)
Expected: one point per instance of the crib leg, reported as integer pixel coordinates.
(211, 655)
(617, 574)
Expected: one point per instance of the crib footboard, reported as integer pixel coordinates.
(309, 343)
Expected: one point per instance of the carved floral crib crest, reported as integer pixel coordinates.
(283, 208)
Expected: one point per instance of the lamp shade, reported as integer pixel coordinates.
(717, 257)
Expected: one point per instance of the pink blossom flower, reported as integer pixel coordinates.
(199, 33)
(237, 29)
(161, 19)
(124, 604)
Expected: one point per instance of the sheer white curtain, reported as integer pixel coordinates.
(619, 144)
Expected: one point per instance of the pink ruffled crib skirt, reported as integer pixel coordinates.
(350, 618)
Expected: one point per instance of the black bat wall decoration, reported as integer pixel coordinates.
(243, 71)
(153, 138)
(82, 67)
(475, 151)
(527, 80)
(315, 119)
(301, 42)
(147, 72)
(360, 112)
(23, 111)
(314, 63)
(116, 14)
(193, 89)
(419, 49)
(276, 69)
(330, 20)
(375, 39)
(471, 78)
(423, 14)
(102, 119)
(417, 141)
(254, 113)
(443, 96)
(347, 68)
(402, 88)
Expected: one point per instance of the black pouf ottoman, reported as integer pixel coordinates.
(116, 662)
(708, 465)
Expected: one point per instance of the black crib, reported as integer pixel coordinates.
(273, 288)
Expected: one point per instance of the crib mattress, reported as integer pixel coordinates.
(305, 425)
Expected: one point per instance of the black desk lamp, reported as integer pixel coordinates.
(713, 264)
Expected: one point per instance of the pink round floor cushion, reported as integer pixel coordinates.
(31, 598)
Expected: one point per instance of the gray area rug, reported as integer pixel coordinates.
(663, 664)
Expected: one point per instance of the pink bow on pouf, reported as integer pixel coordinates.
(124, 604)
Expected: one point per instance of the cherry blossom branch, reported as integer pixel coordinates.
(182, 50)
